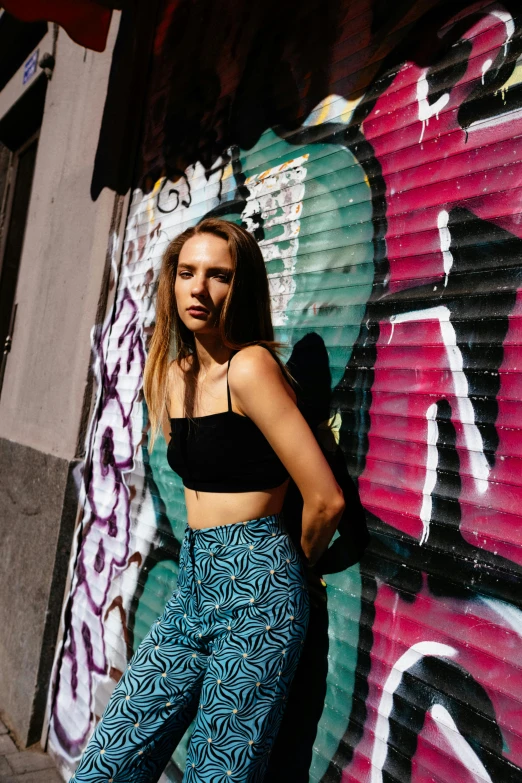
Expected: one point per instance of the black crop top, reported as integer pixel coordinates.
(223, 452)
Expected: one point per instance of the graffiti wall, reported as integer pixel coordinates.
(376, 155)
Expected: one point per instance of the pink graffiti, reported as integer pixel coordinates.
(430, 166)
(479, 646)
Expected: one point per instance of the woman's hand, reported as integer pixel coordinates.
(316, 587)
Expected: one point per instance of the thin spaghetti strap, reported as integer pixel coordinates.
(228, 388)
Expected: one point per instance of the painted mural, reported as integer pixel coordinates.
(390, 220)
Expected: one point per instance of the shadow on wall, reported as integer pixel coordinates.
(292, 753)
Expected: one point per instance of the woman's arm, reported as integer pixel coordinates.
(262, 393)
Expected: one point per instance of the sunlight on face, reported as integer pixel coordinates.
(203, 279)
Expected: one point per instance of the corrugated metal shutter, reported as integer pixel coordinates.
(391, 227)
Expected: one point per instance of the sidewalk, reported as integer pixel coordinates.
(26, 766)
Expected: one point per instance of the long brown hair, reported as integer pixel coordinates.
(245, 318)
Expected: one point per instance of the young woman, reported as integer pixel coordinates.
(228, 642)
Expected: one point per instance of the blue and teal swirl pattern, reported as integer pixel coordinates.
(225, 649)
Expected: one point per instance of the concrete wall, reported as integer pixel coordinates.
(38, 500)
(46, 388)
(63, 261)
(374, 149)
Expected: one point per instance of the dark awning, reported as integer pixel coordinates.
(86, 21)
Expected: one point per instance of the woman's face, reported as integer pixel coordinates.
(203, 278)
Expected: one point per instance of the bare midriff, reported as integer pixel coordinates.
(209, 509)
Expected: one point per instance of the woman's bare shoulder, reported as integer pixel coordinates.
(253, 364)
(252, 358)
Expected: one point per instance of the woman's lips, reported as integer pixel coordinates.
(197, 313)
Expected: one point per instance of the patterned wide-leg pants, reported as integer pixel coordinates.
(230, 637)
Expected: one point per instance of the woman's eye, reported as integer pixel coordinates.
(224, 278)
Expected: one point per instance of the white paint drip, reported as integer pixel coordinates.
(430, 480)
(464, 752)
(382, 726)
(494, 10)
(486, 65)
(427, 111)
(472, 437)
(507, 19)
(445, 243)
(490, 122)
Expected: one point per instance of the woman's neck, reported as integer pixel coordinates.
(210, 352)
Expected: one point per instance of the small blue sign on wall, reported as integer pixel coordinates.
(30, 66)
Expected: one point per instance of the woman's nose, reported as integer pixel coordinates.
(199, 285)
